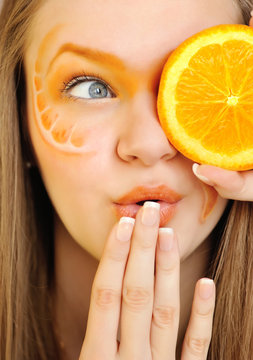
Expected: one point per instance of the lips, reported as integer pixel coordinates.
(130, 203)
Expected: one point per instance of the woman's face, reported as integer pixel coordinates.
(98, 138)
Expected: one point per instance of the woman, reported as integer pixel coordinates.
(80, 140)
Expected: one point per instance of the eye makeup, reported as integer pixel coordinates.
(70, 72)
(60, 130)
(60, 120)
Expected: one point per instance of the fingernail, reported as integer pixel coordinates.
(166, 239)
(150, 213)
(125, 228)
(206, 288)
(201, 177)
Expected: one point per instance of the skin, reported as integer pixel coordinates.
(116, 136)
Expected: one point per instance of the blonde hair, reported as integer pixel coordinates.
(26, 229)
(26, 241)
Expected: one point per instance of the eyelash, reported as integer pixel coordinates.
(77, 79)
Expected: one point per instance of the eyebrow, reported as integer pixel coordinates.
(92, 54)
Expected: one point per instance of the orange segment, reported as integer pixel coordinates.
(38, 83)
(41, 101)
(230, 145)
(48, 118)
(212, 73)
(62, 130)
(237, 55)
(77, 140)
(200, 86)
(205, 99)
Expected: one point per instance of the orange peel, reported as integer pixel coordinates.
(205, 98)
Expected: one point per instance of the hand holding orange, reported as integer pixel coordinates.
(205, 99)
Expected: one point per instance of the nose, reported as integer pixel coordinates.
(141, 135)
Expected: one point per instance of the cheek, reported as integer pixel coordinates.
(73, 183)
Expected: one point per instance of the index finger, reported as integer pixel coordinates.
(229, 184)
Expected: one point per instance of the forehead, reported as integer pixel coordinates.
(139, 31)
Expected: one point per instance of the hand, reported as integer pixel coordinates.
(229, 184)
(149, 305)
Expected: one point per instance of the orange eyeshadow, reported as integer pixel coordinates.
(70, 65)
(62, 75)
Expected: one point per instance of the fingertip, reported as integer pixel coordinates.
(195, 169)
(125, 228)
(206, 288)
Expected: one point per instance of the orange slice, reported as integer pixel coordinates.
(205, 99)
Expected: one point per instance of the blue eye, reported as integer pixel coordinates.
(84, 87)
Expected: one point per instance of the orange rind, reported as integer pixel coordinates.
(205, 98)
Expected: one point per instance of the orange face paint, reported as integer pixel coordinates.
(41, 101)
(48, 118)
(38, 83)
(70, 64)
(68, 68)
(90, 54)
(62, 121)
(210, 198)
(38, 67)
(58, 127)
(77, 140)
(50, 38)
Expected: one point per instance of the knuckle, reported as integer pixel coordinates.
(145, 245)
(116, 256)
(197, 346)
(164, 316)
(168, 269)
(144, 239)
(106, 298)
(136, 298)
(204, 315)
